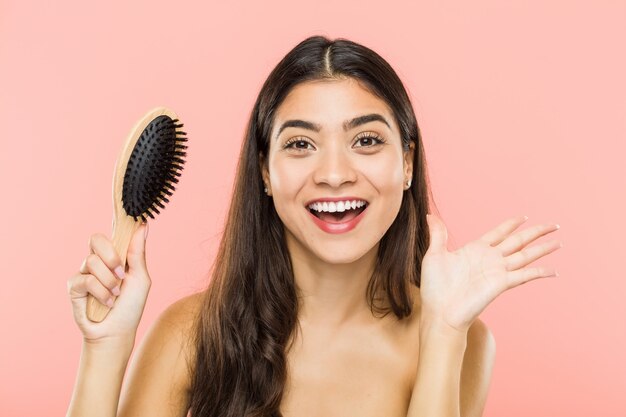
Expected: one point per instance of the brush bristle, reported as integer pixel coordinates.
(153, 167)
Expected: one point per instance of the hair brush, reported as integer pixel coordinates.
(144, 174)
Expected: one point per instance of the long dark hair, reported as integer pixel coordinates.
(250, 308)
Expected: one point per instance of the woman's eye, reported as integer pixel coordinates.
(298, 144)
(303, 145)
(369, 141)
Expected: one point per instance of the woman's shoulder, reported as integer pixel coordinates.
(159, 376)
(177, 321)
(182, 312)
(176, 324)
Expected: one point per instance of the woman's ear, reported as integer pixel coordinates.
(408, 160)
(264, 172)
(263, 167)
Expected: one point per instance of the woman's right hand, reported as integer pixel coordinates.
(97, 277)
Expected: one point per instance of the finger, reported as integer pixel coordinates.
(94, 265)
(79, 286)
(521, 239)
(89, 244)
(103, 247)
(522, 276)
(438, 233)
(503, 230)
(136, 253)
(530, 254)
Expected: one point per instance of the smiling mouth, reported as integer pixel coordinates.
(338, 217)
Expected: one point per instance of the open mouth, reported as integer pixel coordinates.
(337, 216)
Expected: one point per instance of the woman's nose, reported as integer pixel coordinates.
(334, 168)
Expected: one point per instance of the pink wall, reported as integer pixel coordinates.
(522, 109)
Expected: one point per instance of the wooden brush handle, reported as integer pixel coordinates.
(124, 226)
(123, 230)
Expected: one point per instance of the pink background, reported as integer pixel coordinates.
(522, 108)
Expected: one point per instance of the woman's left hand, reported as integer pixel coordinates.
(457, 286)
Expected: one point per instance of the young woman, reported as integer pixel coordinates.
(333, 292)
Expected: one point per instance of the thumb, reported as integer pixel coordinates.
(438, 233)
(136, 255)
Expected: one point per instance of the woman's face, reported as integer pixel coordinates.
(331, 158)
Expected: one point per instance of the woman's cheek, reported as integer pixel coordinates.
(385, 174)
(288, 178)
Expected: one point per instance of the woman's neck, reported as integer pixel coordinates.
(331, 295)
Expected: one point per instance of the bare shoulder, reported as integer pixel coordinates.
(477, 369)
(181, 313)
(174, 326)
(481, 348)
(478, 360)
(158, 378)
(479, 333)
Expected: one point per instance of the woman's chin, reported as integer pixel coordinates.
(339, 254)
(335, 250)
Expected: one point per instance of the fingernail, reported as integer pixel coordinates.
(116, 291)
(110, 302)
(119, 272)
(145, 235)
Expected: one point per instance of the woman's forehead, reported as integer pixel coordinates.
(330, 105)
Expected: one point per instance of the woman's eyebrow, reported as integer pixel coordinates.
(347, 125)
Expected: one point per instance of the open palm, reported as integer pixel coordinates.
(457, 286)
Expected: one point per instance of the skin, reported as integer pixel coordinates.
(338, 332)
(332, 271)
(344, 361)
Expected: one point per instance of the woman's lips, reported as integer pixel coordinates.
(339, 227)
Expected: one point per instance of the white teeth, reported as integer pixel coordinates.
(338, 206)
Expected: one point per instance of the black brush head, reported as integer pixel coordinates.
(153, 167)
